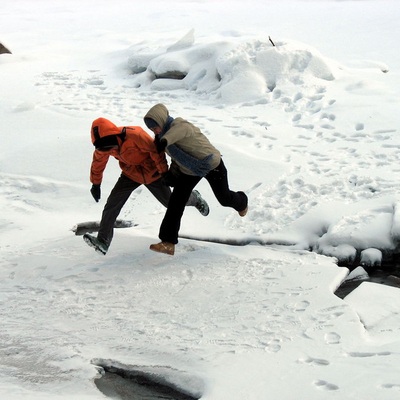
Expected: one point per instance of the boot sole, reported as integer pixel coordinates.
(91, 244)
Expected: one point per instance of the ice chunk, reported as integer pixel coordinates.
(378, 308)
(358, 274)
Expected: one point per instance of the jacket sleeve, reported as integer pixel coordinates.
(159, 159)
(98, 166)
(147, 145)
(177, 132)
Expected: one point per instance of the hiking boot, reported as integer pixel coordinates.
(201, 204)
(243, 212)
(163, 247)
(97, 244)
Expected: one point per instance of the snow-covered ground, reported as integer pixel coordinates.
(302, 99)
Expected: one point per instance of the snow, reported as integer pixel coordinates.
(371, 257)
(246, 307)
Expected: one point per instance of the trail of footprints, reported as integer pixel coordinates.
(73, 90)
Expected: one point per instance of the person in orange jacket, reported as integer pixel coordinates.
(141, 164)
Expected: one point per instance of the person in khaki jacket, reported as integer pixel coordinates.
(193, 157)
(141, 164)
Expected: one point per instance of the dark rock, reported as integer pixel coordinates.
(4, 50)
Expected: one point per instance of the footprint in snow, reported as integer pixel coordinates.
(276, 94)
(297, 97)
(324, 385)
(357, 354)
(332, 338)
(327, 126)
(296, 118)
(302, 305)
(314, 361)
(394, 386)
(331, 117)
(273, 346)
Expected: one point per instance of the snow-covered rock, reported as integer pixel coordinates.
(344, 253)
(371, 257)
(234, 70)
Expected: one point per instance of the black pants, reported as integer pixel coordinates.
(218, 180)
(119, 196)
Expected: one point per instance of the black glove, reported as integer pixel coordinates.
(96, 192)
(161, 144)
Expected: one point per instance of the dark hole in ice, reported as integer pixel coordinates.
(120, 384)
(386, 274)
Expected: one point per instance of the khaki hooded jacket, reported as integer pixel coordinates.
(186, 136)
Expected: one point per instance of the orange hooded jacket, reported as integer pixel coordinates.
(137, 155)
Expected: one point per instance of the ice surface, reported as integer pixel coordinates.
(308, 128)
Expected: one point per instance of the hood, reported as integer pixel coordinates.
(102, 127)
(158, 113)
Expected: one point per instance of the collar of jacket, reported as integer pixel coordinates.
(166, 126)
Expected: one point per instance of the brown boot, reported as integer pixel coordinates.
(243, 212)
(163, 247)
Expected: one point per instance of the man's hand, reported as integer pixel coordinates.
(161, 144)
(96, 192)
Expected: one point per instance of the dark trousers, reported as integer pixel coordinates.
(119, 196)
(218, 180)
